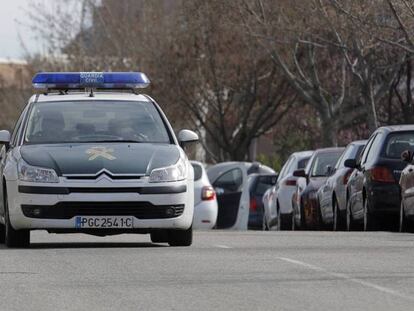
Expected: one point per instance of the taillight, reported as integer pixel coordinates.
(346, 177)
(208, 193)
(253, 204)
(382, 174)
(290, 182)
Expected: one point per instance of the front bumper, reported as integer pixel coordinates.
(56, 206)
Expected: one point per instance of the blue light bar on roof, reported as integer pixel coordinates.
(80, 80)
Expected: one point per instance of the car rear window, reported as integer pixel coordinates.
(264, 183)
(397, 143)
(198, 171)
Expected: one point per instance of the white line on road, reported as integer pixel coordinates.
(222, 246)
(348, 278)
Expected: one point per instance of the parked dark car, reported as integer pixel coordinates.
(332, 195)
(305, 200)
(373, 194)
(258, 185)
(407, 193)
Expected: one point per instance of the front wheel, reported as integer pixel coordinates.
(350, 222)
(369, 219)
(2, 233)
(285, 221)
(405, 224)
(180, 237)
(265, 226)
(338, 223)
(14, 238)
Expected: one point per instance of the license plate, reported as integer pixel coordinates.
(104, 222)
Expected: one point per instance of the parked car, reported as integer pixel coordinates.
(373, 194)
(230, 181)
(205, 201)
(407, 193)
(305, 200)
(332, 195)
(277, 201)
(258, 184)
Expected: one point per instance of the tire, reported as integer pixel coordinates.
(159, 236)
(350, 222)
(2, 233)
(338, 221)
(265, 227)
(370, 223)
(285, 221)
(180, 237)
(14, 238)
(405, 225)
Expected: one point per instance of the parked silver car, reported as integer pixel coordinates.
(332, 195)
(278, 200)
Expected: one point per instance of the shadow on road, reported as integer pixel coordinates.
(68, 245)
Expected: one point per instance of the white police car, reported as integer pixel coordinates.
(96, 162)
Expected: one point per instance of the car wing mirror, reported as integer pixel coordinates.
(5, 138)
(351, 163)
(300, 173)
(186, 137)
(407, 156)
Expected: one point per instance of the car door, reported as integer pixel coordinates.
(4, 153)
(229, 187)
(359, 179)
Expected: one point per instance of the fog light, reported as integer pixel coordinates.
(170, 212)
(36, 212)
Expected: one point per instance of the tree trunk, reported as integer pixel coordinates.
(329, 130)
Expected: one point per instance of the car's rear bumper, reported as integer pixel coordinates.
(205, 215)
(384, 198)
(255, 220)
(59, 210)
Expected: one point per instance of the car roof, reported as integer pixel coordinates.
(329, 150)
(358, 142)
(303, 154)
(80, 96)
(398, 128)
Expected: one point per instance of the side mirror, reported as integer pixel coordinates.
(5, 138)
(186, 137)
(407, 156)
(351, 163)
(299, 173)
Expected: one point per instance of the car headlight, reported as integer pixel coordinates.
(175, 172)
(36, 174)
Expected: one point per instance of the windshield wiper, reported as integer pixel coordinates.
(112, 141)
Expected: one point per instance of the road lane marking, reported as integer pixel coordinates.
(348, 278)
(222, 246)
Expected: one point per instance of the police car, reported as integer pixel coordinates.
(90, 155)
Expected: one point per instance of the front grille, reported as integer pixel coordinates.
(68, 210)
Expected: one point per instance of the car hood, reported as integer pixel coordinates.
(85, 158)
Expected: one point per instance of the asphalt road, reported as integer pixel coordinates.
(221, 271)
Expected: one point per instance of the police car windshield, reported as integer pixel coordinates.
(95, 121)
